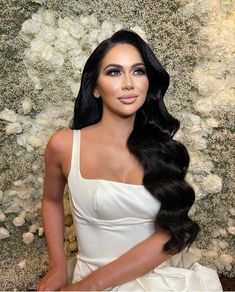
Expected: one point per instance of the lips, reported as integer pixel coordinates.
(128, 99)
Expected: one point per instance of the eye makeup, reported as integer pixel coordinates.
(117, 71)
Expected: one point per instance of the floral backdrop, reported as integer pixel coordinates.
(44, 47)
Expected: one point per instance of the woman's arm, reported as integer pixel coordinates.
(53, 215)
(136, 262)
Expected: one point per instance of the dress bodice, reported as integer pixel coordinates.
(113, 215)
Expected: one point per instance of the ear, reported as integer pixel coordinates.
(96, 92)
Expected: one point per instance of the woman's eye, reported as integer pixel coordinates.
(113, 72)
(140, 71)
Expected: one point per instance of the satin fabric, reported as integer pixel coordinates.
(110, 218)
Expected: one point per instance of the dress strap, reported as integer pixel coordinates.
(75, 159)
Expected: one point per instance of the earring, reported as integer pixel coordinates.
(96, 94)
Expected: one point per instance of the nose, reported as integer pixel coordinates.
(127, 82)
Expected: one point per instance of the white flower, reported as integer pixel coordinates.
(40, 231)
(42, 119)
(212, 123)
(57, 60)
(204, 105)
(231, 230)
(48, 17)
(37, 45)
(198, 192)
(84, 20)
(75, 88)
(206, 84)
(117, 26)
(71, 43)
(62, 37)
(2, 216)
(31, 27)
(24, 194)
(226, 259)
(28, 237)
(76, 30)
(75, 52)
(225, 100)
(208, 166)
(187, 9)
(27, 105)
(13, 128)
(8, 115)
(218, 264)
(223, 244)
(32, 71)
(215, 233)
(33, 228)
(10, 193)
(78, 62)
(93, 20)
(36, 81)
(196, 163)
(69, 233)
(37, 18)
(31, 58)
(65, 23)
(22, 264)
(196, 252)
(210, 254)
(18, 221)
(223, 232)
(231, 210)
(93, 35)
(204, 9)
(40, 180)
(21, 140)
(4, 233)
(47, 53)
(212, 184)
(199, 142)
(48, 34)
(35, 141)
(102, 36)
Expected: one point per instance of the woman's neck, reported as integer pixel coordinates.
(118, 130)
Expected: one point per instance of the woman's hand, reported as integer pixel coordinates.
(55, 280)
(86, 284)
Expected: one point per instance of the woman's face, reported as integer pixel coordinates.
(122, 82)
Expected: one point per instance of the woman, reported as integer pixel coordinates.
(125, 174)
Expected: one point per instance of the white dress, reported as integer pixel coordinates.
(110, 218)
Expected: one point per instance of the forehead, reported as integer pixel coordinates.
(122, 54)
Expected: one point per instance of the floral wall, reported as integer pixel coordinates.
(44, 46)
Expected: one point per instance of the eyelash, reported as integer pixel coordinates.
(109, 72)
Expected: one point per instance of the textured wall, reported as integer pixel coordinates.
(44, 45)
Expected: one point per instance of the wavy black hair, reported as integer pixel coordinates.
(165, 160)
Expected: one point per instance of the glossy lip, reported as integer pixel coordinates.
(128, 99)
(128, 96)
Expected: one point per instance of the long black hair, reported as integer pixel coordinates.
(165, 160)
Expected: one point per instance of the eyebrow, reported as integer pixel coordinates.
(120, 66)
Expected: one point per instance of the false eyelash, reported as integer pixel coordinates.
(108, 72)
(142, 70)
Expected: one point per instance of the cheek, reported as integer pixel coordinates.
(108, 87)
(144, 85)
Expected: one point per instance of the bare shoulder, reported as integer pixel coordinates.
(60, 141)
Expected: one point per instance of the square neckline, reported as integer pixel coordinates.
(100, 179)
